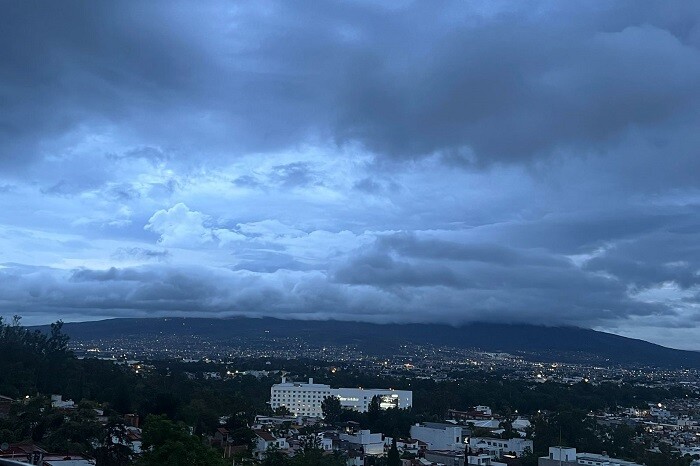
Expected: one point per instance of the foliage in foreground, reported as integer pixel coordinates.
(167, 442)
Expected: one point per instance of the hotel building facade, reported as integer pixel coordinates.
(304, 399)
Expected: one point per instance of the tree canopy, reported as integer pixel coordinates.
(167, 442)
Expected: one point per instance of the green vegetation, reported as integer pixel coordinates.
(33, 361)
(393, 458)
(432, 399)
(331, 409)
(309, 456)
(167, 442)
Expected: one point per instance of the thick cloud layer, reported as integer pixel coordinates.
(388, 162)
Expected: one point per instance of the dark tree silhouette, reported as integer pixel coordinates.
(393, 458)
(331, 409)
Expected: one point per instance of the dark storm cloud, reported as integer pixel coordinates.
(483, 94)
(524, 288)
(146, 285)
(586, 230)
(92, 292)
(506, 86)
(157, 290)
(654, 259)
(79, 64)
(403, 259)
(380, 269)
(409, 245)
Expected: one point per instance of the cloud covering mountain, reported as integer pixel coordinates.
(398, 161)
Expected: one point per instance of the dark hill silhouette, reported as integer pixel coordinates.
(561, 343)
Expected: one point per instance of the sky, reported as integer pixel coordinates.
(524, 162)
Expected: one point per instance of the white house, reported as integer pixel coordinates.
(439, 436)
(497, 447)
(326, 444)
(372, 444)
(264, 440)
(57, 401)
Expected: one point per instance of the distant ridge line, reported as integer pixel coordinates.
(557, 342)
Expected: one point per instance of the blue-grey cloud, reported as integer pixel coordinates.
(140, 254)
(357, 160)
(509, 86)
(296, 174)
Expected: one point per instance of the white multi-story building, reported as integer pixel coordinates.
(359, 399)
(304, 399)
(301, 399)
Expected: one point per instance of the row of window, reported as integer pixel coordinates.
(295, 405)
(302, 391)
(290, 405)
(299, 410)
(497, 444)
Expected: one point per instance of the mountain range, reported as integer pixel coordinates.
(566, 344)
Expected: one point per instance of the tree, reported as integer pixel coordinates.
(312, 454)
(374, 413)
(31, 361)
(75, 432)
(316, 457)
(201, 415)
(243, 436)
(274, 457)
(166, 442)
(116, 447)
(58, 341)
(281, 411)
(394, 422)
(529, 458)
(393, 458)
(331, 409)
(508, 431)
